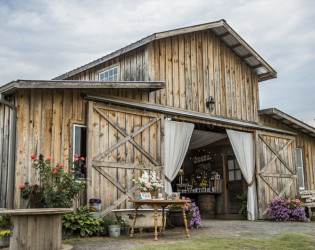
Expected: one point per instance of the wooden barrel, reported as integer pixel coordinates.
(206, 204)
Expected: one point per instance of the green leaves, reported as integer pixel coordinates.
(82, 223)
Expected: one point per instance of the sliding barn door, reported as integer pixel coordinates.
(121, 142)
(276, 168)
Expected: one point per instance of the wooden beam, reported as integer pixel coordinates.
(236, 46)
(123, 165)
(246, 56)
(124, 133)
(257, 66)
(224, 34)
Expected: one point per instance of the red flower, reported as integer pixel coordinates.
(61, 165)
(63, 190)
(75, 155)
(82, 158)
(33, 157)
(38, 186)
(48, 158)
(76, 159)
(22, 186)
(55, 172)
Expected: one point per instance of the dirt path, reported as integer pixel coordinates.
(218, 228)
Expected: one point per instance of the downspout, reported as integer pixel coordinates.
(11, 155)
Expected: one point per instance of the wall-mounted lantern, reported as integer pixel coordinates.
(210, 103)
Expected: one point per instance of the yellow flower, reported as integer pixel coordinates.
(4, 233)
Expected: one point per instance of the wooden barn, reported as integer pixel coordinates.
(185, 102)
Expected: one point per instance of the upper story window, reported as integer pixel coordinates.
(300, 170)
(109, 75)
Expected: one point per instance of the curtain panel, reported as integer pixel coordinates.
(243, 145)
(176, 140)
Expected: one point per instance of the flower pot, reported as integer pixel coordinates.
(4, 241)
(96, 209)
(124, 230)
(114, 230)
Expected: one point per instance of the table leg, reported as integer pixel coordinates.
(134, 220)
(185, 221)
(163, 220)
(155, 222)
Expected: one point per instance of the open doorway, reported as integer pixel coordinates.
(210, 174)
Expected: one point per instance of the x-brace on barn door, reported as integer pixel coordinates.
(121, 142)
(276, 168)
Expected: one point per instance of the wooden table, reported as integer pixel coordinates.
(36, 228)
(155, 204)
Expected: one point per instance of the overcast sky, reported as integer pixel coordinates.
(43, 39)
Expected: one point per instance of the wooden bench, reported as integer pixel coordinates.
(308, 197)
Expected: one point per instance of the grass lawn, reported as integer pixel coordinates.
(283, 241)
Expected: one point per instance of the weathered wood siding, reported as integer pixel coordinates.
(194, 66)
(303, 141)
(5, 114)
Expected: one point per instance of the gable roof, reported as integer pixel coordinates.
(288, 121)
(220, 28)
(75, 84)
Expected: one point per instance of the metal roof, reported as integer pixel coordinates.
(71, 84)
(220, 28)
(288, 120)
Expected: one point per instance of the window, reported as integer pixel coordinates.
(79, 144)
(299, 164)
(109, 75)
(234, 170)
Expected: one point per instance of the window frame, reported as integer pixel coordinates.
(74, 125)
(234, 170)
(109, 68)
(301, 167)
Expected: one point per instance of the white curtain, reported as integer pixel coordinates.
(244, 150)
(202, 138)
(176, 140)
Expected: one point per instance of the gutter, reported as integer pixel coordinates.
(11, 154)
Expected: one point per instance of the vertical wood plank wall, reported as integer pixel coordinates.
(303, 141)
(194, 66)
(5, 114)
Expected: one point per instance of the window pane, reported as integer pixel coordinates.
(102, 77)
(238, 175)
(79, 146)
(111, 72)
(116, 78)
(111, 78)
(236, 165)
(106, 74)
(231, 175)
(115, 71)
(299, 163)
(230, 164)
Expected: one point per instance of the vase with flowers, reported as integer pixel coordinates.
(149, 182)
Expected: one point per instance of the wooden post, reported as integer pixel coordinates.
(224, 180)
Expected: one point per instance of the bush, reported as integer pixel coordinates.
(81, 224)
(282, 209)
(5, 221)
(57, 188)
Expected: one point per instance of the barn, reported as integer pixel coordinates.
(184, 102)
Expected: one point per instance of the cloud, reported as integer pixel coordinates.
(43, 39)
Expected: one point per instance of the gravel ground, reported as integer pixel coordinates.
(217, 228)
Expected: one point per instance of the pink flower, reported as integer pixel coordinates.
(33, 157)
(75, 155)
(22, 186)
(55, 172)
(82, 158)
(76, 159)
(48, 158)
(147, 184)
(63, 190)
(61, 165)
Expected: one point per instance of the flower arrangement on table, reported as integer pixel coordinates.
(192, 213)
(56, 187)
(148, 181)
(282, 209)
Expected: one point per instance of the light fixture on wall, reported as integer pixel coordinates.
(181, 173)
(210, 103)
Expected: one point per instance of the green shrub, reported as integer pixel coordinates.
(82, 223)
(5, 221)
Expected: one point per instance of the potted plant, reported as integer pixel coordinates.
(5, 231)
(124, 228)
(149, 182)
(114, 229)
(95, 207)
(242, 208)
